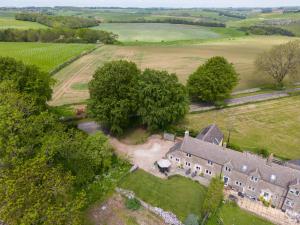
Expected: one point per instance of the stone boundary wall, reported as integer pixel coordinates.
(168, 217)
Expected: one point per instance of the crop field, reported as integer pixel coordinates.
(182, 60)
(157, 32)
(272, 125)
(12, 23)
(44, 55)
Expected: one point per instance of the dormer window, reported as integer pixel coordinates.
(244, 168)
(188, 155)
(209, 162)
(289, 203)
(227, 168)
(273, 178)
(253, 178)
(294, 192)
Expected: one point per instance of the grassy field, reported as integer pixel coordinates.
(46, 56)
(12, 23)
(180, 59)
(182, 196)
(177, 194)
(273, 125)
(231, 215)
(157, 32)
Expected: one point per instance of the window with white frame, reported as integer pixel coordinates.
(209, 162)
(177, 160)
(227, 168)
(171, 157)
(253, 178)
(251, 188)
(188, 155)
(187, 164)
(294, 192)
(238, 183)
(289, 203)
(198, 167)
(208, 172)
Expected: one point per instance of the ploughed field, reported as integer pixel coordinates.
(272, 125)
(181, 59)
(47, 56)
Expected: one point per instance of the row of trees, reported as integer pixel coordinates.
(173, 21)
(267, 30)
(45, 166)
(72, 22)
(121, 94)
(61, 35)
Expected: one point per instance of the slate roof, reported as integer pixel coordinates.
(220, 155)
(211, 134)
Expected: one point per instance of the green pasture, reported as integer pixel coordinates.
(47, 56)
(271, 125)
(6, 22)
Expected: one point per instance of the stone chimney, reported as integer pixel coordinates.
(186, 134)
(270, 159)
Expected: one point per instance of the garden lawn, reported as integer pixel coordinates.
(272, 125)
(47, 56)
(230, 214)
(180, 195)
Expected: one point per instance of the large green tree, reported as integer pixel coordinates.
(27, 79)
(162, 99)
(113, 94)
(213, 81)
(36, 193)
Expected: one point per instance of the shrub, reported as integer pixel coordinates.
(191, 220)
(132, 204)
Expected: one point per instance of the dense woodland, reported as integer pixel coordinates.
(58, 35)
(57, 21)
(267, 30)
(46, 166)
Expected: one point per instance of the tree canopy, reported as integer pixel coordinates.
(113, 94)
(27, 79)
(281, 61)
(213, 81)
(162, 99)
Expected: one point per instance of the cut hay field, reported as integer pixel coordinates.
(7, 22)
(182, 59)
(44, 55)
(158, 32)
(272, 125)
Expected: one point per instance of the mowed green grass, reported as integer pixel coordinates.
(272, 125)
(230, 214)
(182, 196)
(6, 22)
(157, 32)
(47, 56)
(177, 194)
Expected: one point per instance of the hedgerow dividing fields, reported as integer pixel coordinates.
(47, 56)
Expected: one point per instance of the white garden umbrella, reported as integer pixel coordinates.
(164, 163)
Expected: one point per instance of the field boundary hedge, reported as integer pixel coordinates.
(68, 62)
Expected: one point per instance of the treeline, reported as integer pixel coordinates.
(264, 30)
(228, 14)
(72, 22)
(58, 35)
(173, 21)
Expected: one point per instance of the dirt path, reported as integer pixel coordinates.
(144, 155)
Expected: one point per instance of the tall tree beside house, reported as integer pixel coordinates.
(213, 198)
(113, 91)
(162, 99)
(213, 81)
(281, 61)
